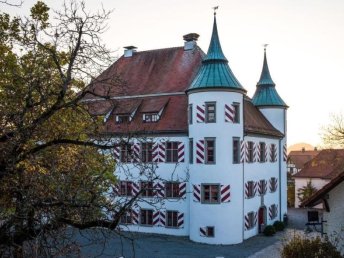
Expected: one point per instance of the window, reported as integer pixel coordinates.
(262, 187)
(125, 188)
(262, 152)
(251, 220)
(120, 119)
(236, 150)
(210, 112)
(273, 211)
(146, 188)
(172, 219)
(273, 184)
(126, 218)
(236, 107)
(125, 152)
(151, 117)
(171, 190)
(273, 153)
(210, 193)
(146, 217)
(171, 151)
(249, 189)
(147, 152)
(190, 150)
(210, 150)
(208, 231)
(190, 114)
(250, 151)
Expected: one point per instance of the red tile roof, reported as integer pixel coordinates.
(326, 165)
(300, 158)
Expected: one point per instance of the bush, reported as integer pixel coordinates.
(300, 247)
(279, 225)
(269, 230)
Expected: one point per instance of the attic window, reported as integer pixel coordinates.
(151, 117)
(121, 119)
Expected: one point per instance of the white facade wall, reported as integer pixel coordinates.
(334, 226)
(318, 183)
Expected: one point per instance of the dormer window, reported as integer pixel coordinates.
(151, 117)
(121, 119)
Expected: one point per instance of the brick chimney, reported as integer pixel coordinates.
(190, 41)
(129, 51)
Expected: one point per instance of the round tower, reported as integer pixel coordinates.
(268, 101)
(216, 127)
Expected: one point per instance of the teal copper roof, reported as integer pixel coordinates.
(215, 71)
(266, 93)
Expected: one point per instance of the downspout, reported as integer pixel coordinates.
(279, 178)
(243, 173)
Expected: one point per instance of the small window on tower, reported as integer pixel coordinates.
(236, 150)
(210, 112)
(190, 114)
(210, 150)
(236, 107)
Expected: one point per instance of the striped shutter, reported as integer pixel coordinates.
(255, 188)
(134, 216)
(180, 220)
(256, 152)
(273, 209)
(273, 184)
(247, 221)
(116, 189)
(182, 190)
(285, 152)
(200, 147)
(262, 188)
(225, 193)
(116, 153)
(135, 188)
(162, 152)
(229, 113)
(156, 218)
(203, 231)
(243, 148)
(181, 152)
(135, 148)
(266, 153)
(196, 193)
(156, 152)
(200, 113)
(246, 190)
(159, 189)
(162, 218)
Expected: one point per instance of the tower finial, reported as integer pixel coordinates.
(265, 46)
(215, 8)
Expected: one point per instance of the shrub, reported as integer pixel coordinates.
(299, 247)
(269, 230)
(278, 225)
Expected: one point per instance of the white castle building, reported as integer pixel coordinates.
(219, 156)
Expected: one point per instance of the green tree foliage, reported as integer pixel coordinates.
(306, 191)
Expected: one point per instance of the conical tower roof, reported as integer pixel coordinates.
(266, 93)
(215, 72)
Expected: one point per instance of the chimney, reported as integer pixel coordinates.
(315, 148)
(129, 51)
(190, 41)
(303, 149)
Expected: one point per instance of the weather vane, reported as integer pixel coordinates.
(215, 8)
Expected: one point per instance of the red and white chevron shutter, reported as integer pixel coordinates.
(203, 231)
(247, 222)
(256, 152)
(273, 209)
(262, 187)
(115, 189)
(181, 152)
(159, 189)
(116, 152)
(162, 152)
(135, 148)
(180, 220)
(156, 218)
(182, 190)
(243, 148)
(155, 152)
(200, 151)
(200, 113)
(134, 216)
(197, 193)
(273, 184)
(247, 190)
(266, 153)
(255, 188)
(135, 188)
(225, 193)
(255, 218)
(285, 155)
(162, 218)
(229, 113)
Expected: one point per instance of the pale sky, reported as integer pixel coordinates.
(305, 53)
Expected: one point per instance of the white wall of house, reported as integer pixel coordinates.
(318, 183)
(335, 219)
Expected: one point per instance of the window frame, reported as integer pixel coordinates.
(236, 150)
(236, 107)
(209, 200)
(250, 151)
(153, 117)
(191, 156)
(148, 217)
(125, 216)
(127, 151)
(147, 152)
(273, 152)
(262, 152)
(207, 105)
(274, 211)
(127, 186)
(206, 150)
(146, 188)
(171, 154)
(264, 185)
(174, 219)
(274, 185)
(173, 190)
(190, 117)
(210, 229)
(250, 189)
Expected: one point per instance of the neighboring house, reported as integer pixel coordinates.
(320, 170)
(297, 159)
(220, 156)
(331, 196)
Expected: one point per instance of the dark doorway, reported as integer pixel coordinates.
(261, 219)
